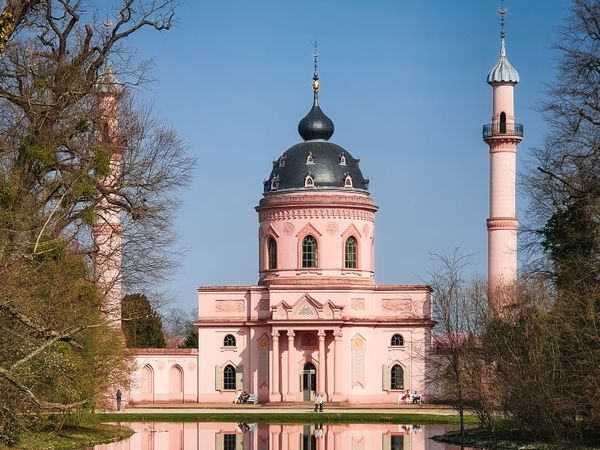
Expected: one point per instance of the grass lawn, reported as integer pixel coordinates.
(266, 417)
(72, 437)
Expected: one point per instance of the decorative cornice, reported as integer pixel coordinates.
(502, 223)
(314, 213)
(317, 280)
(311, 200)
(502, 139)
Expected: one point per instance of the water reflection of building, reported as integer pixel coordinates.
(231, 436)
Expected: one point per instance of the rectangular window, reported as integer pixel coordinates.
(229, 441)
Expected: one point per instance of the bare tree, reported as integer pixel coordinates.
(54, 159)
(459, 308)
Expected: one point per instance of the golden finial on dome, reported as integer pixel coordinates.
(315, 83)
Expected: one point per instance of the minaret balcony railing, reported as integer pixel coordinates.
(491, 130)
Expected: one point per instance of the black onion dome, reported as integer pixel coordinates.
(315, 125)
(328, 165)
(315, 163)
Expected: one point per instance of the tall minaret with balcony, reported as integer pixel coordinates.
(107, 229)
(502, 135)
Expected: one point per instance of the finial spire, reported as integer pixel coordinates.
(315, 125)
(315, 83)
(503, 12)
(503, 72)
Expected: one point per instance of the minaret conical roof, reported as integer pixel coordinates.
(503, 71)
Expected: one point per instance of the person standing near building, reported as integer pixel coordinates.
(118, 397)
(320, 402)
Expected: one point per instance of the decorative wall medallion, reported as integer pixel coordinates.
(288, 228)
(229, 305)
(396, 305)
(191, 366)
(332, 228)
(161, 365)
(263, 342)
(358, 303)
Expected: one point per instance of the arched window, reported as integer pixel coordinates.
(350, 253)
(502, 122)
(176, 380)
(229, 377)
(309, 181)
(229, 341)
(397, 377)
(272, 253)
(147, 380)
(397, 340)
(309, 252)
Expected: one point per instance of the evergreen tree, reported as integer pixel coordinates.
(141, 325)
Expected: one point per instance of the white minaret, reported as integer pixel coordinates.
(502, 135)
(107, 230)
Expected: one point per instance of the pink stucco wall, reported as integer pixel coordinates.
(164, 375)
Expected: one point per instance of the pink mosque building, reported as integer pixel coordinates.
(317, 322)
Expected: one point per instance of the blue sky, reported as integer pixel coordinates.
(404, 83)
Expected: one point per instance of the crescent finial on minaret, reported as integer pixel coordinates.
(503, 71)
(503, 12)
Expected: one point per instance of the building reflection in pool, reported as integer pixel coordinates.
(243, 436)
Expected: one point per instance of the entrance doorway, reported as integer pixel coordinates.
(309, 381)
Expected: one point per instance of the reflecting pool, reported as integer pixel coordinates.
(243, 436)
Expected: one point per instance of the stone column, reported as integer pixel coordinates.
(322, 362)
(337, 355)
(291, 365)
(275, 395)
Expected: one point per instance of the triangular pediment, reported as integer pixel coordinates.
(306, 308)
(308, 229)
(351, 231)
(270, 231)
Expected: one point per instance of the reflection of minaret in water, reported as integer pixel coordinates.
(107, 230)
(502, 135)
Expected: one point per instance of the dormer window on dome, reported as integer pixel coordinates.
(309, 181)
(309, 158)
(342, 160)
(282, 161)
(348, 181)
(275, 183)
